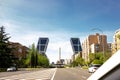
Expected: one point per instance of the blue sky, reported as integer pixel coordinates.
(27, 20)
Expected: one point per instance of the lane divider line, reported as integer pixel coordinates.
(54, 74)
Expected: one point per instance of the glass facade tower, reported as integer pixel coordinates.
(76, 45)
(42, 45)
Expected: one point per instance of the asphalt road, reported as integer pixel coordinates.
(47, 74)
(71, 74)
(20, 71)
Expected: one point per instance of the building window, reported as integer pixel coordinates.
(97, 47)
(20, 50)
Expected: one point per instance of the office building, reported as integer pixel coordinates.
(76, 46)
(42, 45)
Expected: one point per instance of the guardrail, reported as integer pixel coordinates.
(110, 70)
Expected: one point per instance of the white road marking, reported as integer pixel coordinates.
(54, 75)
(38, 75)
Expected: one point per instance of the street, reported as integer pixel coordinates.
(47, 74)
(71, 74)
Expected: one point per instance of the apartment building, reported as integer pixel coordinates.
(116, 43)
(94, 43)
(19, 51)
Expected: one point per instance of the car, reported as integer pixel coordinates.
(11, 69)
(93, 67)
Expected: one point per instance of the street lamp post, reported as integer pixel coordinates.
(101, 38)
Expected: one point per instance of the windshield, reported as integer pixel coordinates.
(58, 39)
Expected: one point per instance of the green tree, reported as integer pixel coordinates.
(32, 57)
(107, 55)
(6, 57)
(74, 63)
(35, 59)
(43, 61)
(91, 57)
(78, 62)
(96, 61)
(96, 58)
(99, 58)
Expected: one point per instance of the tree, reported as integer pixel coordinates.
(91, 57)
(74, 63)
(32, 57)
(99, 58)
(6, 57)
(79, 61)
(96, 61)
(43, 61)
(35, 59)
(96, 58)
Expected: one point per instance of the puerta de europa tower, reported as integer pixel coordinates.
(42, 45)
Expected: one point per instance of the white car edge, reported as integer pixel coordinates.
(93, 68)
(11, 69)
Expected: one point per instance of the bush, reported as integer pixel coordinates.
(97, 62)
(3, 69)
(84, 67)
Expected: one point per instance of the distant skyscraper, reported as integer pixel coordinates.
(42, 45)
(76, 45)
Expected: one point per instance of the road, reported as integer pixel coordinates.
(47, 74)
(20, 71)
(71, 74)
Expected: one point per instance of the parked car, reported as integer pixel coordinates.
(11, 69)
(93, 67)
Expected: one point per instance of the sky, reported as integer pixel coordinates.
(59, 20)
